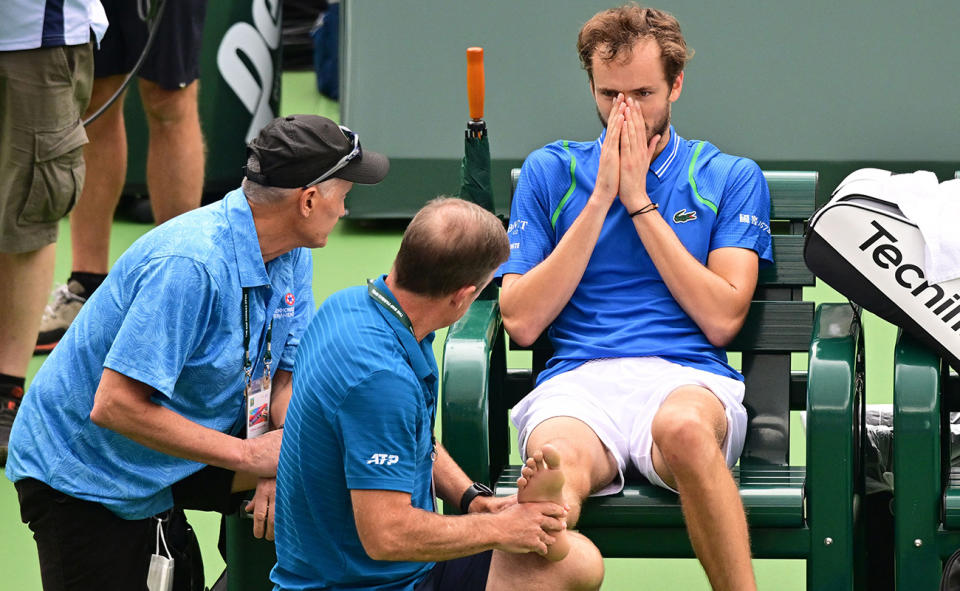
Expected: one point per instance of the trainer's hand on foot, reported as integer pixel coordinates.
(262, 453)
(491, 504)
(262, 506)
(530, 527)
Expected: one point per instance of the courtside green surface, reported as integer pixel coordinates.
(355, 252)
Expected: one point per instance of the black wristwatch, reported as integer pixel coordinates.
(477, 489)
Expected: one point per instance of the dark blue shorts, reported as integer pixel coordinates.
(174, 59)
(460, 574)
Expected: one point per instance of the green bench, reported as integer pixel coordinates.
(926, 499)
(794, 511)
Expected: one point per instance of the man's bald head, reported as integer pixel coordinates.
(450, 244)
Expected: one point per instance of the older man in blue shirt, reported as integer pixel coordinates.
(174, 360)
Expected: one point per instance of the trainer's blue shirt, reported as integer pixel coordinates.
(168, 315)
(361, 417)
(622, 307)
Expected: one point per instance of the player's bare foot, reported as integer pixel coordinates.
(542, 480)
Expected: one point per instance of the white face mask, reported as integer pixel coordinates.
(160, 574)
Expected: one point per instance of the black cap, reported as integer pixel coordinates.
(296, 150)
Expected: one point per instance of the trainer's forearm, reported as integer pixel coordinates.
(424, 536)
(450, 479)
(530, 302)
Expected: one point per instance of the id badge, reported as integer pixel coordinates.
(258, 407)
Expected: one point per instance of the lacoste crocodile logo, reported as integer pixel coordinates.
(684, 216)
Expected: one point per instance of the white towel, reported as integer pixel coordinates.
(935, 208)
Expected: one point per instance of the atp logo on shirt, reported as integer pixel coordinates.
(383, 459)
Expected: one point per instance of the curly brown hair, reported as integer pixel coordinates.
(611, 33)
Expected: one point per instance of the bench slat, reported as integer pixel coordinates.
(793, 194)
(775, 327)
(772, 497)
(789, 267)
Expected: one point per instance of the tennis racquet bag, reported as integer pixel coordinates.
(864, 247)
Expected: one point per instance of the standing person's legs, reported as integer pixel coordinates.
(175, 153)
(25, 278)
(92, 217)
(42, 94)
(168, 88)
(175, 158)
(106, 157)
(688, 432)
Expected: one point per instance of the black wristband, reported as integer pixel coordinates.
(477, 489)
(646, 208)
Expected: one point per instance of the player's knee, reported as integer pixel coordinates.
(682, 434)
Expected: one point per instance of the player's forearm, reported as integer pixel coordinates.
(530, 302)
(717, 305)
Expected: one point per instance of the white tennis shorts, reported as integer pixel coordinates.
(618, 399)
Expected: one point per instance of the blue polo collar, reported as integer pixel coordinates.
(415, 351)
(252, 271)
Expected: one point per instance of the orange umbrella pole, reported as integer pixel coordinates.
(475, 92)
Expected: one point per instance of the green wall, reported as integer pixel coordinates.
(818, 84)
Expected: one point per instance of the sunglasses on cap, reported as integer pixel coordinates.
(356, 152)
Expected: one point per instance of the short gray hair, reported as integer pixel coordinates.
(262, 194)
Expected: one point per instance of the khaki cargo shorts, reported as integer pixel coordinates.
(43, 95)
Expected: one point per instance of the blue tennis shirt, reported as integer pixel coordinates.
(361, 417)
(168, 315)
(622, 307)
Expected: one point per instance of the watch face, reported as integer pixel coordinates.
(483, 489)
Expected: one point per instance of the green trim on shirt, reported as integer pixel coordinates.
(693, 183)
(573, 186)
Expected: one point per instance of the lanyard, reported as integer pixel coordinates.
(267, 356)
(381, 298)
